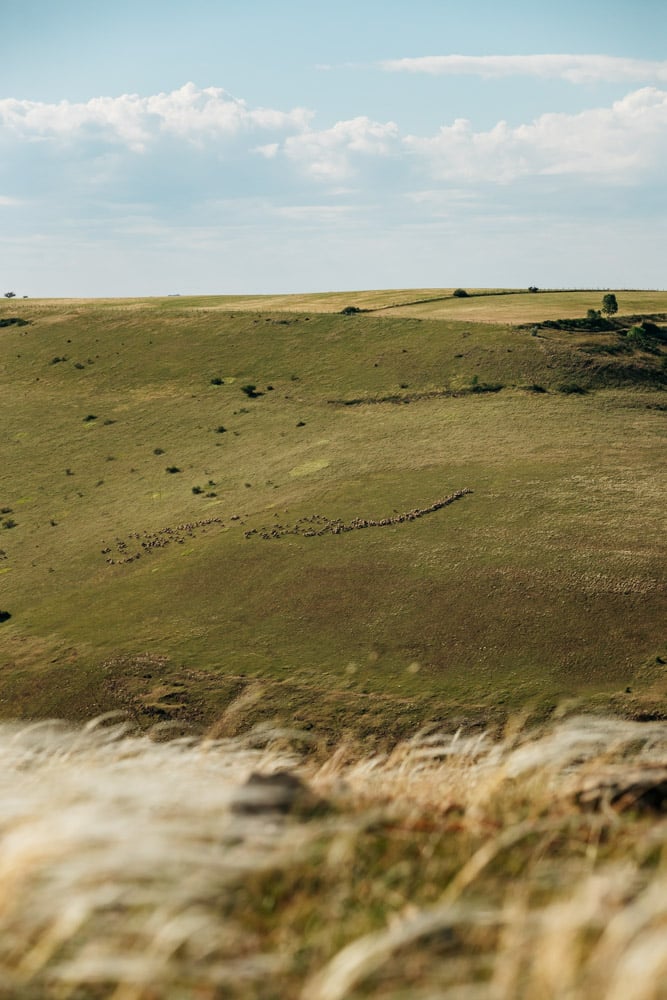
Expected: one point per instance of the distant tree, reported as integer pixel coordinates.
(609, 304)
(593, 314)
(10, 295)
(533, 288)
(460, 293)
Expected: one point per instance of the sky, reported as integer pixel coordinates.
(155, 147)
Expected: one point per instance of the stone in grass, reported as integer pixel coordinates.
(282, 793)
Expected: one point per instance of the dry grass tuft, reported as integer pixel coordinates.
(139, 868)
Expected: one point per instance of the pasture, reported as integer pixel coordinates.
(150, 445)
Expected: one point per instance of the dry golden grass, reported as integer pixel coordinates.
(457, 865)
(481, 305)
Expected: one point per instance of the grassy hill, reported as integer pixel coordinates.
(130, 431)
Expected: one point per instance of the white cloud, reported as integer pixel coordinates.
(7, 202)
(268, 151)
(329, 154)
(188, 112)
(574, 68)
(623, 143)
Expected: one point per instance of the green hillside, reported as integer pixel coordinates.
(138, 480)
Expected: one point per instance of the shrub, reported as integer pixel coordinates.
(9, 522)
(572, 389)
(91, 416)
(220, 430)
(486, 386)
(158, 451)
(593, 314)
(350, 310)
(4, 616)
(460, 293)
(172, 469)
(251, 391)
(217, 381)
(533, 288)
(197, 490)
(13, 321)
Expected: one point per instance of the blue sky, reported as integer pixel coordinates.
(152, 147)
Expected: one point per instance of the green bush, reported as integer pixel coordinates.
(460, 293)
(572, 389)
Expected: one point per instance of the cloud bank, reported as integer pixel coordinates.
(188, 113)
(623, 143)
(574, 68)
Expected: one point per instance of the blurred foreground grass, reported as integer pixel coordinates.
(137, 867)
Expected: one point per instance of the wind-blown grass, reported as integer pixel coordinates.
(456, 865)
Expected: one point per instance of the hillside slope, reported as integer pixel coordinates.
(140, 473)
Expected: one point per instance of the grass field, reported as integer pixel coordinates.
(127, 432)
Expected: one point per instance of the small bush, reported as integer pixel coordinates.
(486, 387)
(221, 430)
(460, 293)
(533, 289)
(91, 416)
(350, 310)
(642, 336)
(173, 469)
(9, 523)
(79, 366)
(158, 451)
(217, 381)
(5, 616)
(13, 321)
(197, 490)
(572, 389)
(251, 391)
